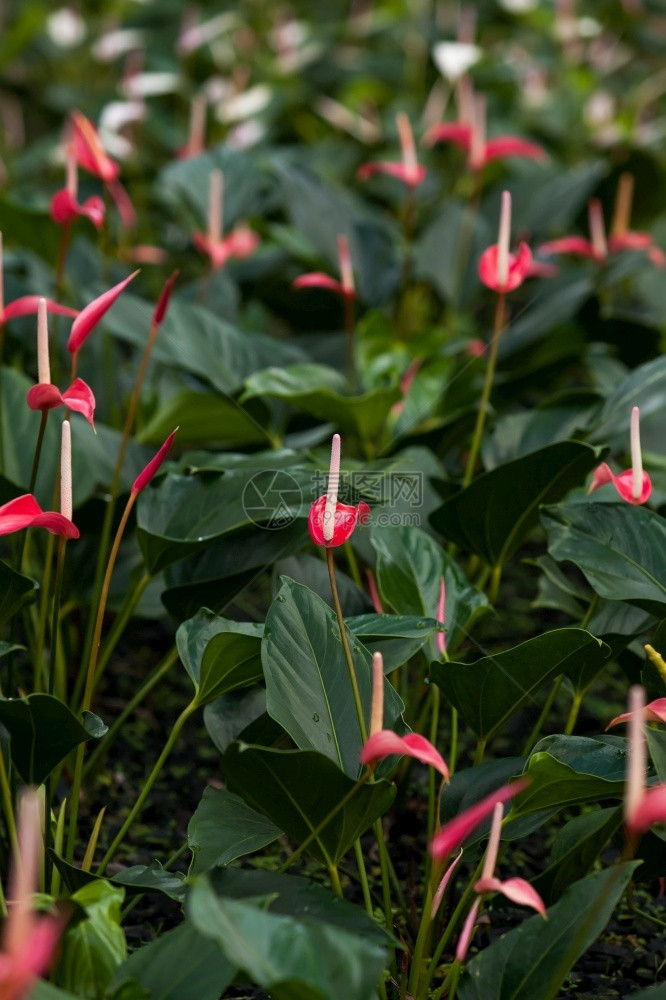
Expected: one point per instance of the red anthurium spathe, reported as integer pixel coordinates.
(29, 940)
(654, 712)
(634, 485)
(457, 830)
(90, 154)
(26, 305)
(153, 466)
(518, 890)
(241, 241)
(318, 279)
(25, 512)
(89, 317)
(642, 807)
(386, 743)
(498, 268)
(408, 170)
(64, 206)
(331, 523)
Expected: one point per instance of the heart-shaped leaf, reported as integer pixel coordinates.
(224, 828)
(488, 692)
(308, 687)
(396, 637)
(218, 654)
(620, 548)
(43, 732)
(576, 847)
(305, 787)
(497, 512)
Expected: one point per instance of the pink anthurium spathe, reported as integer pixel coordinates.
(386, 743)
(318, 279)
(518, 890)
(654, 712)
(90, 154)
(153, 466)
(90, 316)
(241, 241)
(408, 170)
(457, 830)
(25, 512)
(642, 807)
(500, 269)
(64, 205)
(634, 485)
(599, 246)
(330, 522)
(29, 941)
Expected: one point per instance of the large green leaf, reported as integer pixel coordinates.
(92, 949)
(180, 965)
(219, 655)
(294, 959)
(321, 391)
(438, 255)
(532, 960)
(575, 849)
(224, 828)
(488, 692)
(183, 514)
(43, 732)
(620, 548)
(396, 637)
(226, 717)
(308, 687)
(410, 567)
(136, 880)
(572, 770)
(204, 419)
(304, 788)
(496, 513)
(15, 591)
(646, 384)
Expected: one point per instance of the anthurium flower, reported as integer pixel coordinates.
(89, 317)
(457, 830)
(598, 247)
(331, 523)
(28, 941)
(386, 743)
(634, 485)
(153, 466)
(91, 155)
(374, 593)
(241, 241)
(44, 395)
(642, 807)
(318, 279)
(441, 888)
(498, 268)
(409, 170)
(64, 206)
(25, 512)
(654, 712)
(26, 305)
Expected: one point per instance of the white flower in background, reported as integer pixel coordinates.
(244, 105)
(454, 59)
(113, 44)
(140, 85)
(66, 28)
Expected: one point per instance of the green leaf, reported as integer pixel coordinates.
(296, 896)
(218, 654)
(43, 732)
(437, 253)
(488, 692)
(226, 717)
(646, 383)
(308, 688)
(534, 959)
(15, 591)
(93, 948)
(304, 788)
(656, 741)
(136, 880)
(621, 549)
(294, 959)
(576, 847)
(410, 567)
(321, 391)
(183, 514)
(180, 965)
(396, 637)
(224, 828)
(497, 512)
(47, 991)
(204, 419)
(572, 770)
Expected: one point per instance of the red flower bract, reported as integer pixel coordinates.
(519, 268)
(346, 518)
(25, 512)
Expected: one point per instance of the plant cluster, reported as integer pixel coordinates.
(327, 346)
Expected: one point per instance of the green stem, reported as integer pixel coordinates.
(38, 451)
(487, 388)
(127, 610)
(150, 781)
(543, 715)
(454, 921)
(418, 974)
(102, 747)
(384, 869)
(335, 880)
(432, 780)
(345, 644)
(55, 615)
(573, 714)
(450, 982)
(363, 877)
(353, 565)
(479, 752)
(453, 755)
(8, 805)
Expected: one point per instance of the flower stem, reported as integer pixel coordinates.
(543, 715)
(487, 387)
(363, 876)
(573, 713)
(150, 781)
(7, 803)
(55, 615)
(479, 752)
(345, 644)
